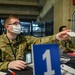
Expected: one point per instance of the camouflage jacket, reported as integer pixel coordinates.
(18, 47)
(69, 46)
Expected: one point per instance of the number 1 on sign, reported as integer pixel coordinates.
(47, 56)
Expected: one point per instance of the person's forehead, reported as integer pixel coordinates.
(65, 28)
(14, 20)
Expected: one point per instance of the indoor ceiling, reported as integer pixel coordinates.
(25, 9)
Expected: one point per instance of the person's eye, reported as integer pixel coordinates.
(16, 24)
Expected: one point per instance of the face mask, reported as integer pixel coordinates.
(16, 29)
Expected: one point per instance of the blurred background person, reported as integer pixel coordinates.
(69, 47)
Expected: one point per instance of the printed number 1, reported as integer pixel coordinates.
(46, 56)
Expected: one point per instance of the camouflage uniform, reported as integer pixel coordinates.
(19, 46)
(69, 47)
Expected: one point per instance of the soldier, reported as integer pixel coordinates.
(69, 47)
(13, 46)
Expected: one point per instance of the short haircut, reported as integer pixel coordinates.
(60, 29)
(7, 19)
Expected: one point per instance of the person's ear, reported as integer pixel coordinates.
(6, 26)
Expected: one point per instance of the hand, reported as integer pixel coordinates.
(62, 35)
(17, 65)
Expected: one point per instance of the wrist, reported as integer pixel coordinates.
(58, 38)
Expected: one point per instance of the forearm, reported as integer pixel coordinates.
(50, 40)
(45, 40)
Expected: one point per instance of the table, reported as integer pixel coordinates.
(70, 63)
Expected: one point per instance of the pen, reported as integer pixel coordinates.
(12, 72)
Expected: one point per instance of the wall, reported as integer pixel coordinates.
(58, 15)
(63, 10)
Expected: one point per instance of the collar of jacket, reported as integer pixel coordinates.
(7, 40)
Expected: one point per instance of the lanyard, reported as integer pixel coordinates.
(14, 53)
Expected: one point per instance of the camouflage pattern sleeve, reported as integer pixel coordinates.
(3, 63)
(43, 40)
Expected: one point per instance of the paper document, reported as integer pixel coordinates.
(67, 69)
(3, 73)
(72, 34)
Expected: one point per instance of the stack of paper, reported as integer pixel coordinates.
(3, 73)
